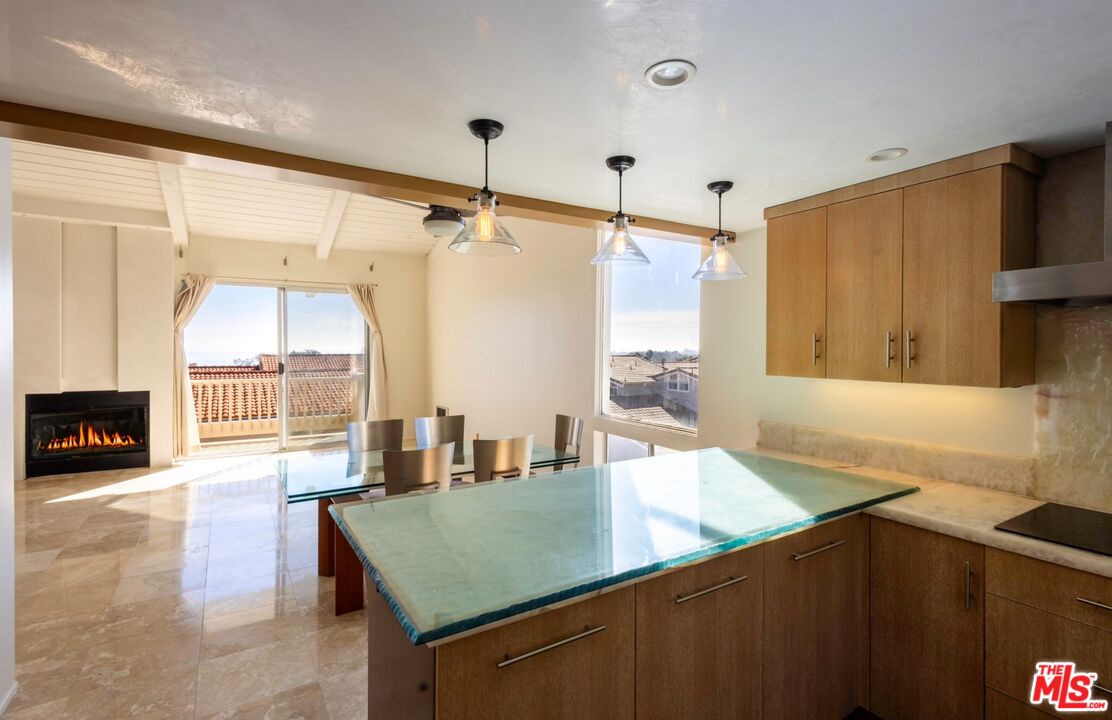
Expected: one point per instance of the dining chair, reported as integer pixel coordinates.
(502, 458)
(424, 468)
(432, 431)
(375, 435)
(569, 435)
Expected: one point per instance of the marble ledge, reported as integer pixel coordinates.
(962, 511)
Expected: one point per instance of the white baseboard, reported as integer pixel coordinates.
(8, 697)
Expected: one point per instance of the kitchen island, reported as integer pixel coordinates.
(618, 589)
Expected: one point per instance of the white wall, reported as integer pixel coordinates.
(400, 298)
(7, 436)
(512, 339)
(94, 311)
(735, 392)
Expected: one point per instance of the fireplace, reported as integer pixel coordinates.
(81, 431)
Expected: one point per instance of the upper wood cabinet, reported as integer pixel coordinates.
(927, 624)
(796, 331)
(958, 231)
(863, 291)
(907, 264)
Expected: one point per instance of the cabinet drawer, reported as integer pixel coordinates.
(566, 666)
(699, 641)
(1018, 636)
(816, 615)
(1059, 590)
(999, 706)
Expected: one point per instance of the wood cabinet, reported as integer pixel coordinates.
(816, 607)
(796, 330)
(699, 640)
(927, 624)
(1058, 590)
(913, 255)
(957, 232)
(863, 288)
(585, 667)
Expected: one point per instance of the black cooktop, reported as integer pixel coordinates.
(1076, 527)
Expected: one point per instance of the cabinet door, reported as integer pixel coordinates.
(796, 330)
(927, 624)
(699, 641)
(952, 245)
(864, 288)
(584, 667)
(816, 607)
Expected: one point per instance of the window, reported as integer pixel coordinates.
(620, 448)
(651, 337)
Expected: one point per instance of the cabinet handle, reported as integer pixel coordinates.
(889, 356)
(587, 632)
(968, 585)
(815, 340)
(1106, 691)
(681, 599)
(1094, 603)
(829, 546)
(908, 340)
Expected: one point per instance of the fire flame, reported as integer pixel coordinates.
(88, 436)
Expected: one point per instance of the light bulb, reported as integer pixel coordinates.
(621, 242)
(484, 224)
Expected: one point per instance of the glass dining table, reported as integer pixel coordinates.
(332, 476)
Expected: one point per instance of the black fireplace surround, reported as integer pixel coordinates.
(81, 431)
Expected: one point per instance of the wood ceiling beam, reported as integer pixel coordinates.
(54, 127)
(332, 217)
(175, 203)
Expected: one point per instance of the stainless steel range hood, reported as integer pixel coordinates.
(1077, 284)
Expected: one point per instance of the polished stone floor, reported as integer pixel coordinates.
(183, 593)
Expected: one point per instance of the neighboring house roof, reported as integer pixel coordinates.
(319, 385)
(632, 369)
(692, 372)
(654, 415)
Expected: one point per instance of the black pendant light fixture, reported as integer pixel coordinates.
(720, 265)
(483, 234)
(620, 249)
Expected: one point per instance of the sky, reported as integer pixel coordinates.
(656, 307)
(241, 321)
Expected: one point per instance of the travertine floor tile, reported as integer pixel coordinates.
(233, 680)
(300, 703)
(346, 695)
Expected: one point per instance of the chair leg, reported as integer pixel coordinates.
(349, 575)
(326, 558)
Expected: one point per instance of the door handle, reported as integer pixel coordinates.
(815, 340)
(889, 356)
(587, 632)
(968, 585)
(829, 546)
(909, 339)
(1094, 603)
(681, 599)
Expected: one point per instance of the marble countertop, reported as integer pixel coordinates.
(450, 562)
(966, 512)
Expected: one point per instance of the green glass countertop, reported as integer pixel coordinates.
(451, 561)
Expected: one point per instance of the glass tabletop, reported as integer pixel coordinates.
(452, 561)
(325, 474)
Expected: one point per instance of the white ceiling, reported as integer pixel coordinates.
(789, 99)
(215, 204)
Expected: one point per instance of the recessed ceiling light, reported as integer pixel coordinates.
(887, 154)
(670, 74)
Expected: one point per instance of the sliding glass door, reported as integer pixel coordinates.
(325, 364)
(280, 366)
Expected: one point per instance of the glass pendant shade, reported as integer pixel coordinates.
(620, 249)
(483, 234)
(720, 264)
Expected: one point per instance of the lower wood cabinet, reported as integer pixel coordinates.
(999, 706)
(927, 624)
(816, 614)
(573, 662)
(699, 641)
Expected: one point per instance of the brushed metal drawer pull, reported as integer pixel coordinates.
(889, 356)
(968, 585)
(908, 354)
(815, 340)
(681, 599)
(1106, 691)
(829, 546)
(1094, 603)
(587, 632)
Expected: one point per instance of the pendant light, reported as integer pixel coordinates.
(620, 249)
(483, 234)
(720, 265)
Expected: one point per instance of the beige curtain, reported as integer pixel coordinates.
(363, 297)
(191, 293)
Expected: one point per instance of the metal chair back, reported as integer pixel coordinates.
(432, 431)
(425, 468)
(502, 458)
(569, 434)
(375, 435)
